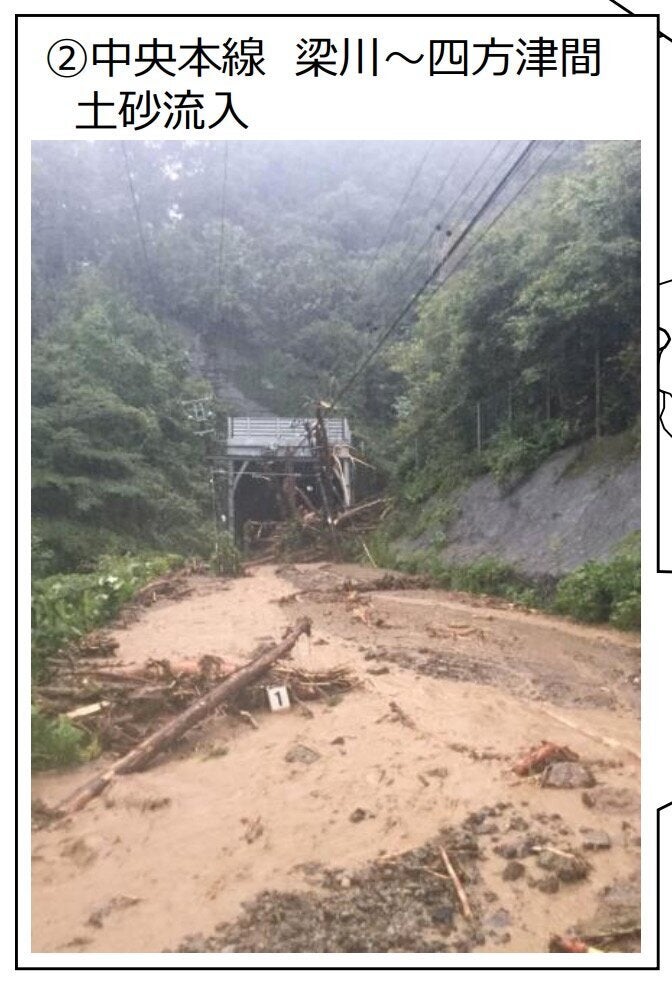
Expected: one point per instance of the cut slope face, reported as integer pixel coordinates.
(579, 505)
(454, 690)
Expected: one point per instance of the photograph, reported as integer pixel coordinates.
(335, 545)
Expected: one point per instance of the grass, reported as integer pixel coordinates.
(597, 592)
(58, 742)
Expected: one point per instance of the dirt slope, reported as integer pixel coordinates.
(578, 505)
(227, 816)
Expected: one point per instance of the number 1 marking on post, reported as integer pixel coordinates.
(278, 697)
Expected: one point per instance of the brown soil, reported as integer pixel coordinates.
(164, 857)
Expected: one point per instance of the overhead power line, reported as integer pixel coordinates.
(537, 170)
(222, 223)
(151, 274)
(435, 197)
(395, 216)
(387, 333)
(447, 218)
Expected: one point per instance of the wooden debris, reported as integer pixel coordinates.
(397, 715)
(174, 586)
(563, 943)
(309, 534)
(368, 554)
(249, 718)
(95, 707)
(403, 717)
(459, 889)
(166, 735)
(556, 852)
(538, 758)
(132, 700)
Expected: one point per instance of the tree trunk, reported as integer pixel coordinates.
(148, 749)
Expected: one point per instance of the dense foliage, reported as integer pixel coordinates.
(605, 591)
(536, 340)
(64, 608)
(116, 464)
(67, 606)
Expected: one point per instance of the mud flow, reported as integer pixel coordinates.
(388, 817)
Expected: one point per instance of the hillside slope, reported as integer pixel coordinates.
(577, 506)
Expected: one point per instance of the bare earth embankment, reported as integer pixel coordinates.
(328, 822)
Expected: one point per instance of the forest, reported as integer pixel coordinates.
(266, 271)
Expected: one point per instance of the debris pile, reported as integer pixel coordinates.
(308, 537)
(119, 704)
(427, 899)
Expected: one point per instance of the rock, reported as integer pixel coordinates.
(610, 799)
(567, 868)
(618, 909)
(501, 918)
(593, 839)
(338, 741)
(520, 846)
(301, 754)
(359, 815)
(518, 824)
(567, 774)
(548, 884)
(444, 916)
(513, 870)
(383, 670)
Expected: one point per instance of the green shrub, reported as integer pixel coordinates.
(380, 547)
(227, 560)
(57, 742)
(605, 591)
(67, 606)
(513, 454)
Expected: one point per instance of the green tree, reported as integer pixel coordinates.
(115, 461)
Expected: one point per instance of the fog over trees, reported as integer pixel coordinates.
(268, 272)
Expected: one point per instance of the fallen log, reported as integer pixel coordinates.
(150, 747)
(347, 516)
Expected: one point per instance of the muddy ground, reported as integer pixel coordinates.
(322, 830)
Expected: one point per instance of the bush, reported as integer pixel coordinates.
(514, 454)
(57, 742)
(67, 606)
(608, 591)
(228, 560)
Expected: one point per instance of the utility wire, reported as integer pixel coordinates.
(522, 156)
(151, 274)
(222, 221)
(435, 197)
(395, 216)
(447, 216)
(413, 266)
(537, 170)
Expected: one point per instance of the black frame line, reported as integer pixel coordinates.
(179, 968)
